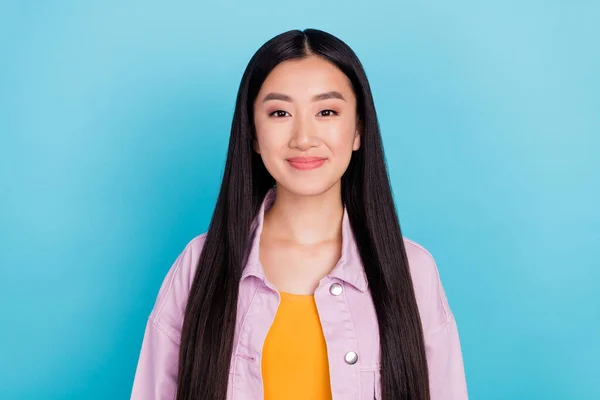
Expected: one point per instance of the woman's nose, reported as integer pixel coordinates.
(304, 136)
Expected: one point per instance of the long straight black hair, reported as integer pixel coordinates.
(209, 322)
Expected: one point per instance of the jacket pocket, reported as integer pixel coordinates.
(370, 384)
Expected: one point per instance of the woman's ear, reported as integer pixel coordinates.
(255, 146)
(357, 136)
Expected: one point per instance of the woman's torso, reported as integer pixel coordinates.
(346, 314)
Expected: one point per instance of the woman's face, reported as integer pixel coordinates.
(306, 125)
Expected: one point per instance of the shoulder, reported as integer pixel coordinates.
(431, 299)
(169, 307)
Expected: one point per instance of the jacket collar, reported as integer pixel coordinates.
(349, 268)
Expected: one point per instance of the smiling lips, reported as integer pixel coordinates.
(305, 163)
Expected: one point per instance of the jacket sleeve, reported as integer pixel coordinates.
(156, 374)
(444, 357)
(158, 362)
(442, 344)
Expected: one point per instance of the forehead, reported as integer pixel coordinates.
(305, 77)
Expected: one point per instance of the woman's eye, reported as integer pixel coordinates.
(328, 113)
(278, 113)
(281, 113)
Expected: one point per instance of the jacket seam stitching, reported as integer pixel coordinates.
(163, 329)
(237, 345)
(353, 329)
(440, 327)
(447, 313)
(175, 271)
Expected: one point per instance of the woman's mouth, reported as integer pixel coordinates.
(306, 163)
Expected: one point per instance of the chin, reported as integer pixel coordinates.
(307, 187)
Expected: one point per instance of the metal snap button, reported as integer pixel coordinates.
(351, 357)
(335, 289)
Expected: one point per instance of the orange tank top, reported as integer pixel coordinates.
(294, 358)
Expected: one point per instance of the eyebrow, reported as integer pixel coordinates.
(323, 96)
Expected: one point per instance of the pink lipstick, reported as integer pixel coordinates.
(306, 163)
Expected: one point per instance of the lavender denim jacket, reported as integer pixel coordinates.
(347, 317)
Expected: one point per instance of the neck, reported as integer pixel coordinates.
(306, 219)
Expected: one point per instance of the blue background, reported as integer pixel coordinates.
(114, 123)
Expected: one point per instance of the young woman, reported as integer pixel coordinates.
(303, 287)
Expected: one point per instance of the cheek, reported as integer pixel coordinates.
(268, 136)
(270, 141)
(341, 139)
